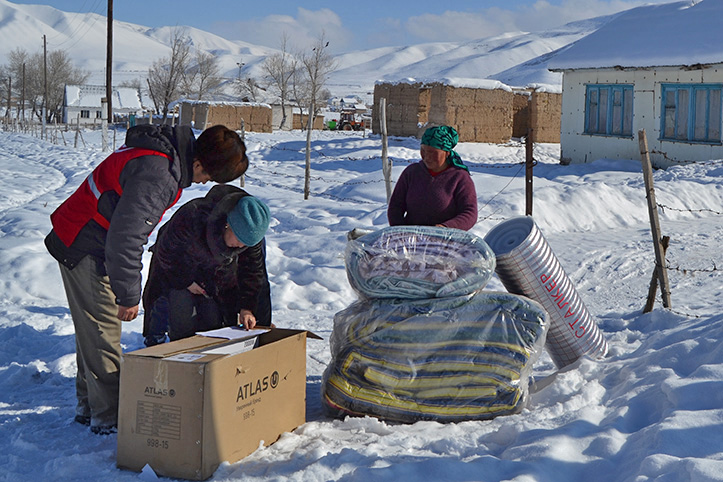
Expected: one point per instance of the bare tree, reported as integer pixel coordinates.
(17, 59)
(279, 70)
(318, 64)
(203, 77)
(4, 89)
(166, 74)
(248, 89)
(60, 70)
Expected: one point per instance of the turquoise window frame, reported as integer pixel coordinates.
(691, 113)
(609, 110)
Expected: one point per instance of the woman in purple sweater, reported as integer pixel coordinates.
(438, 191)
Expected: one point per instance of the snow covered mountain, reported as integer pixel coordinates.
(83, 37)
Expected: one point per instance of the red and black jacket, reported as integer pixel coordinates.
(112, 213)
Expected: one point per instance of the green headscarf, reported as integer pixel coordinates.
(444, 138)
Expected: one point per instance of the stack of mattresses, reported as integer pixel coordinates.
(424, 342)
(416, 262)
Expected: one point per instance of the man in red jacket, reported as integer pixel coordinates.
(98, 237)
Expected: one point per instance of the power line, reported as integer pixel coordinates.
(88, 28)
(77, 18)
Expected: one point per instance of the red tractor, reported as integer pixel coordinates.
(349, 122)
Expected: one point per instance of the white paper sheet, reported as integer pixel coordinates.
(233, 333)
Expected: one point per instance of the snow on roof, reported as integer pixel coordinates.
(220, 103)
(671, 34)
(454, 82)
(546, 88)
(124, 98)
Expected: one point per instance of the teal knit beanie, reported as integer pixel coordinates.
(249, 220)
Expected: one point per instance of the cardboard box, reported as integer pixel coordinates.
(184, 411)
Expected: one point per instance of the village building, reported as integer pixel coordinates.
(481, 110)
(240, 116)
(82, 104)
(300, 120)
(656, 68)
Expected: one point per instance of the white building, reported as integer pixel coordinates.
(657, 68)
(84, 102)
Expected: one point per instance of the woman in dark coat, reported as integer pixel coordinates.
(208, 268)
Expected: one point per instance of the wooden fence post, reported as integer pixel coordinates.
(307, 170)
(242, 179)
(529, 163)
(654, 221)
(386, 163)
(654, 280)
(77, 131)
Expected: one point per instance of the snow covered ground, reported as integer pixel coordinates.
(653, 410)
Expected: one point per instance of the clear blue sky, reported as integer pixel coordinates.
(351, 25)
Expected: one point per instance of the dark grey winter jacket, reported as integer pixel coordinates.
(150, 185)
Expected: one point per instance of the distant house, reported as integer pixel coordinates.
(347, 103)
(657, 68)
(481, 110)
(82, 103)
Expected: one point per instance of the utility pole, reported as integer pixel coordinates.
(45, 83)
(10, 94)
(109, 64)
(22, 97)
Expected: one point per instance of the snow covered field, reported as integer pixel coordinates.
(653, 410)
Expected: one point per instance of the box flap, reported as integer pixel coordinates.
(164, 350)
(197, 342)
(279, 333)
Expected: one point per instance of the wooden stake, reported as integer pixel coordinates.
(386, 162)
(529, 163)
(654, 221)
(654, 280)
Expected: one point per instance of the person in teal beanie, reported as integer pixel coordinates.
(208, 268)
(248, 221)
(438, 190)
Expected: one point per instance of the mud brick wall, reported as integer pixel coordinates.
(407, 108)
(545, 115)
(300, 122)
(250, 117)
(479, 115)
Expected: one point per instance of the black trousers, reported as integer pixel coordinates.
(182, 314)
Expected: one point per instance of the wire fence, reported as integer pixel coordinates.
(485, 213)
(54, 134)
(689, 271)
(676, 162)
(321, 154)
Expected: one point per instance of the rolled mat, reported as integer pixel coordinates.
(418, 262)
(447, 360)
(527, 266)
